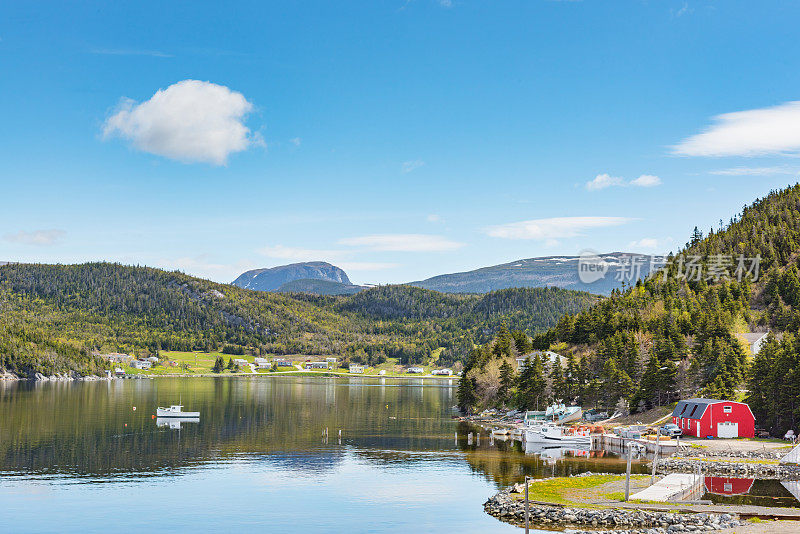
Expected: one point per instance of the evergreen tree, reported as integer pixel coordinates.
(219, 365)
(506, 382)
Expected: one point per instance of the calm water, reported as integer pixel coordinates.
(76, 457)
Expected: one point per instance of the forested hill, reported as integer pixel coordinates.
(53, 317)
(675, 333)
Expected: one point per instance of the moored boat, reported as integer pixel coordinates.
(176, 410)
(554, 434)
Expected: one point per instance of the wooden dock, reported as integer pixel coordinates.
(674, 487)
(618, 444)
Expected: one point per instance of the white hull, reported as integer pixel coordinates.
(175, 411)
(554, 436)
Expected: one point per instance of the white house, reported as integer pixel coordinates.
(261, 363)
(415, 370)
(316, 365)
(241, 362)
(141, 364)
(545, 356)
(382, 372)
(443, 372)
(332, 360)
(152, 359)
(356, 369)
(755, 340)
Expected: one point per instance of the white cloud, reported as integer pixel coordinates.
(646, 180)
(601, 181)
(190, 121)
(365, 266)
(554, 228)
(409, 166)
(755, 132)
(446, 3)
(645, 242)
(300, 254)
(433, 217)
(37, 237)
(295, 141)
(755, 171)
(403, 242)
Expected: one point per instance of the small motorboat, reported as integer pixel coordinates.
(176, 410)
(555, 435)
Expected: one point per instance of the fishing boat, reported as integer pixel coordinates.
(557, 413)
(556, 435)
(176, 410)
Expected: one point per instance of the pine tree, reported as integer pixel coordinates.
(506, 382)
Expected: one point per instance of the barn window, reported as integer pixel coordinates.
(727, 409)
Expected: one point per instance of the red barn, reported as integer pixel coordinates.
(711, 418)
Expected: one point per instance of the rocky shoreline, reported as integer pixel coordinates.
(506, 508)
(729, 468)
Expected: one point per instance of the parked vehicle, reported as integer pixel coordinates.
(671, 429)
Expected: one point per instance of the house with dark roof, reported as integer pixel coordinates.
(712, 418)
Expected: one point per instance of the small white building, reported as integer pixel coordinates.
(316, 365)
(415, 370)
(118, 371)
(241, 362)
(141, 364)
(442, 372)
(332, 360)
(152, 359)
(356, 369)
(382, 372)
(544, 355)
(261, 363)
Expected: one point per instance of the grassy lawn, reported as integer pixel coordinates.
(567, 490)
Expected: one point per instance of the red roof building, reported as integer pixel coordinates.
(711, 418)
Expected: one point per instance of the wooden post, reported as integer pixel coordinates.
(628, 471)
(527, 508)
(655, 458)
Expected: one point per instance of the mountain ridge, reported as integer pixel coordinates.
(272, 278)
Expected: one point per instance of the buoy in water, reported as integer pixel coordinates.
(152, 417)
(126, 424)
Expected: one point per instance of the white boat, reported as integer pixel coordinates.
(501, 432)
(176, 410)
(175, 422)
(554, 434)
(557, 413)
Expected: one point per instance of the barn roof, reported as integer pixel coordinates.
(693, 408)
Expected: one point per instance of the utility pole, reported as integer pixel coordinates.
(628, 471)
(655, 458)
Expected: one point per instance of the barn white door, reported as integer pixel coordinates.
(727, 430)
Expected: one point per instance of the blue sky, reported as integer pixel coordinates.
(398, 139)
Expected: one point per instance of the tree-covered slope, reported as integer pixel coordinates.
(673, 335)
(55, 316)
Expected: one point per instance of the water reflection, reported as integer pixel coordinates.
(175, 422)
(729, 490)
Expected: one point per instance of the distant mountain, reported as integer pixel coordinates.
(272, 279)
(320, 287)
(558, 271)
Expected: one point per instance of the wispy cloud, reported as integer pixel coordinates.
(684, 10)
(129, 52)
(646, 180)
(755, 171)
(190, 121)
(645, 242)
(755, 132)
(409, 166)
(295, 141)
(301, 254)
(42, 238)
(433, 218)
(366, 266)
(403, 242)
(602, 181)
(553, 228)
